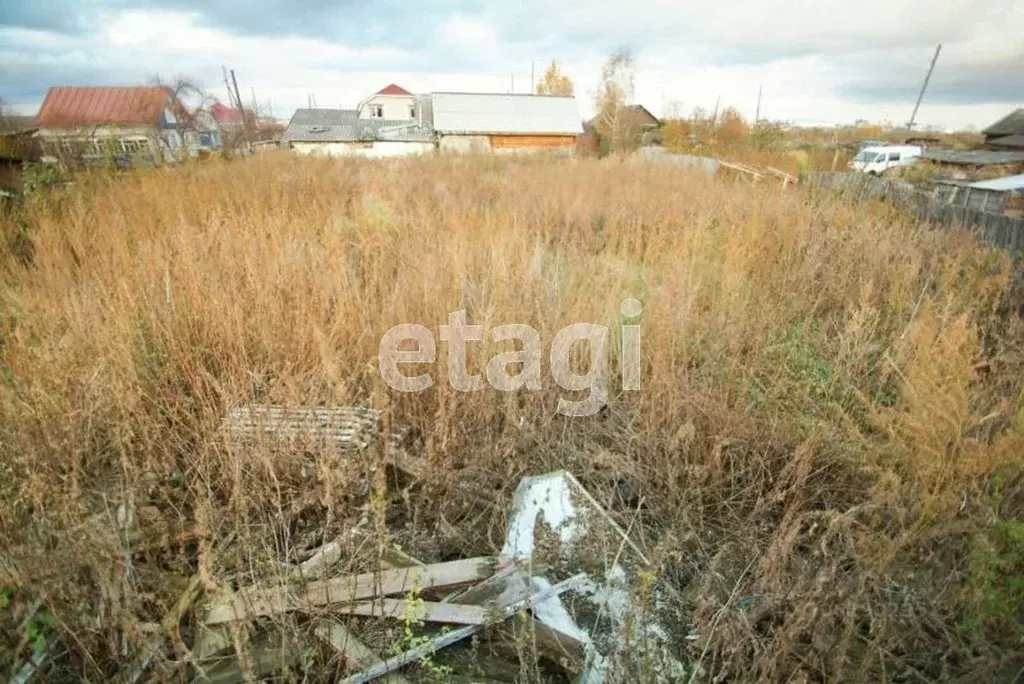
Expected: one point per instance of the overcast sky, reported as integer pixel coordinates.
(821, 61)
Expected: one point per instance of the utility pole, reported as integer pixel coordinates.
(314, 101)
(241, 112)
(757, 112)
(231, 96)
(714, 116)
(935, 58)
(533, 86)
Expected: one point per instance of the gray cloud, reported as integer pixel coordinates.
(867, 60)
(958, 78)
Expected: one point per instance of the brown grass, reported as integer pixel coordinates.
(827, 443)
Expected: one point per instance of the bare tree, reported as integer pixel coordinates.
(554, 82)
(614, 96)
(190, 103)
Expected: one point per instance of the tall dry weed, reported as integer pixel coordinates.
(811, 452)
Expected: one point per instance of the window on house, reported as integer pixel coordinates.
(412, 111)
(377, 111)
(134, 145)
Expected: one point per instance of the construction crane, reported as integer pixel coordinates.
(935, 58)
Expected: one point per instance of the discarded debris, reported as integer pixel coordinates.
(450, 638)
(556, 529)
(317, 428)
(419, 611)
(250, 603)
(589, 541)
(355, 653)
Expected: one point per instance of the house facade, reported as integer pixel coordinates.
(505, 123)
(391, 103)
(125, 124)
(394, 122)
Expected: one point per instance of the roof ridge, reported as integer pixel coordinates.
(466, 92)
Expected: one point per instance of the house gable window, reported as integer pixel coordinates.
(376, 111)
(134, 145)
(412, 111)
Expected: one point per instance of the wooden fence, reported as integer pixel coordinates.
(932, 205)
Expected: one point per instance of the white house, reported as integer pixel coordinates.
(393, 103)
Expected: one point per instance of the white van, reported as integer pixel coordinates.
(877, 160)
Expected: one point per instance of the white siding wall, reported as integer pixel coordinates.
(389, 148)
(377, 150)
(465, 143)
(396, 107)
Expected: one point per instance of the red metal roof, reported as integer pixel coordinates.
(229, 115)
(87, 105)
(393, 90)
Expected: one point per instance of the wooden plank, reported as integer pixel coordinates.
(250, 603)
(354, 652)
(743, 168)
(778, 173)
(507, 585)
(445, 640)
(394, 557)
(520, 141)
(330, 553)
(269, 654)
(510, 585)
(418, 611)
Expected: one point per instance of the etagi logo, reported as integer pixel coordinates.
(458, 334)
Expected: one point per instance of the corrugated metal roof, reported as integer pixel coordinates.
(322, 125)
(1013, 142)
(90, 106)
(344, 125)
(974, 157)
(1004, 184)
(1011, 124)
(480, 113)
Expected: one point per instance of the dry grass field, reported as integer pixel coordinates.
(823, 463)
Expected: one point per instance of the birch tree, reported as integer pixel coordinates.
(614, 96)
(554, 82)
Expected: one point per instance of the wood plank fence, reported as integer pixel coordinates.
(933, 205)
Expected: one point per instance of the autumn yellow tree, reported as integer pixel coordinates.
(614, 96)
(732, 130)
(678, 135)
(554, 82)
